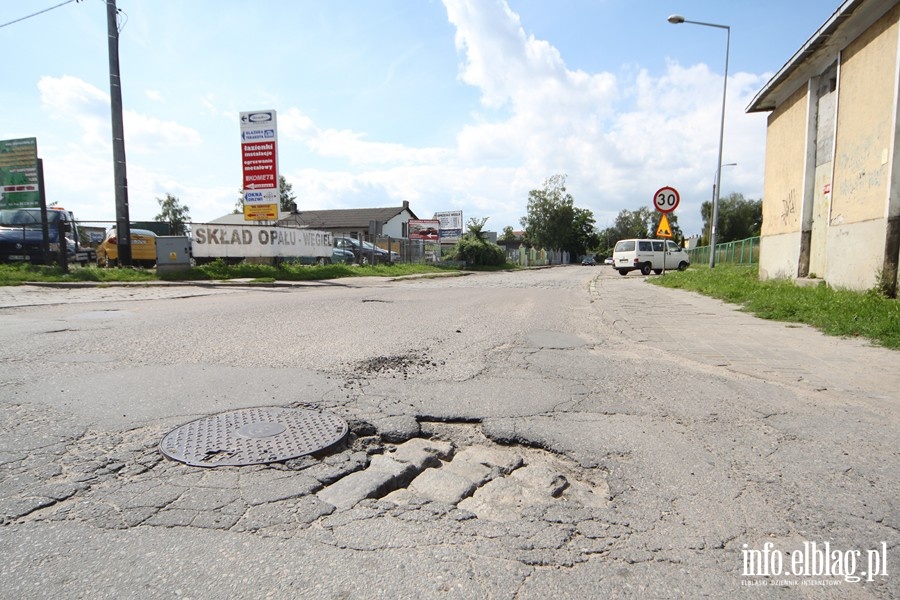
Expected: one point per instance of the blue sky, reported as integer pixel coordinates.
(449, 104)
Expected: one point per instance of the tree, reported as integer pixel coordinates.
(287, 198)
(174, 213)
(476, 228)
(640, 223)
(550, 214)
(509, 235)
(554, 222)
(739, 218)
(586, 236)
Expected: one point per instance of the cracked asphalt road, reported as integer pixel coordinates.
(551, 433)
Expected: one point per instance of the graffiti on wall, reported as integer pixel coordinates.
(788, 206)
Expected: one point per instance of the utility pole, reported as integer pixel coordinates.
(123, 222)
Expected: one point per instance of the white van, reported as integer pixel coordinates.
(649, 256)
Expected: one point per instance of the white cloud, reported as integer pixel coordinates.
(70, 98)
(147, 134)
(74, 99)
(351, 145)
(81, 168)
(618, 137)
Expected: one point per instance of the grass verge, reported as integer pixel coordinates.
(833, 311)
(218, 270)
(16, 274)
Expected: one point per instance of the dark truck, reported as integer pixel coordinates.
(22, 236)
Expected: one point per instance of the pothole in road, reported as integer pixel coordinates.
(458, 465)
(454, 463)
(397, 364)
(450, 468)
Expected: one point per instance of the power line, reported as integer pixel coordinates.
(40, 12)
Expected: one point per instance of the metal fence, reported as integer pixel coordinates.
(741, 252)
(533, 257)
(406, 251)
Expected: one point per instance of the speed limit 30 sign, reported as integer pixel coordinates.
(666, 199)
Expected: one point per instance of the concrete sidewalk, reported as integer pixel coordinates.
(714, 333)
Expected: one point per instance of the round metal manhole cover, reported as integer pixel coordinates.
(253, 436)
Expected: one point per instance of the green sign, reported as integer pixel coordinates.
(19, 174)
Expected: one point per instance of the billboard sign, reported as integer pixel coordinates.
(222, 241)
(259, 160)
(451, 225)
(424, 229)
(260, 169)
(19, 174)
(260, 212)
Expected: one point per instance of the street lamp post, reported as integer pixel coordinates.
(715, 188)
(675, 20)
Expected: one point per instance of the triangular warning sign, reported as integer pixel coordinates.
(664, 231)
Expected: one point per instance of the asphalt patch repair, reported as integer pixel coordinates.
(402, 364)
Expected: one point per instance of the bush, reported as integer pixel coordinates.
(477, 253)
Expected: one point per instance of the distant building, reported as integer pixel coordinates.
(831, 203)
(393, 221)
(691, 242)
(238, 219)
(513, 244)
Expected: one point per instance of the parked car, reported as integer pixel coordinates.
(22, 236)
(649, 256)
(364, 253)
(608, 261)
(143, 248)
(339, 255)
(381, 254)
(588, 261)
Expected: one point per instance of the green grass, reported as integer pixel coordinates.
(833, 311)
(218, 270)
(16, 274)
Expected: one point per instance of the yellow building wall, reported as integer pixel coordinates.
(864, 140)
(785, 162)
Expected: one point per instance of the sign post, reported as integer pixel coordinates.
(259, 158)
(664, 230)
(665, 200)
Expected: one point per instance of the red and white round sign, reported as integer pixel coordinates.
(666, 199)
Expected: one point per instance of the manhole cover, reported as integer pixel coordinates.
(253, 436)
